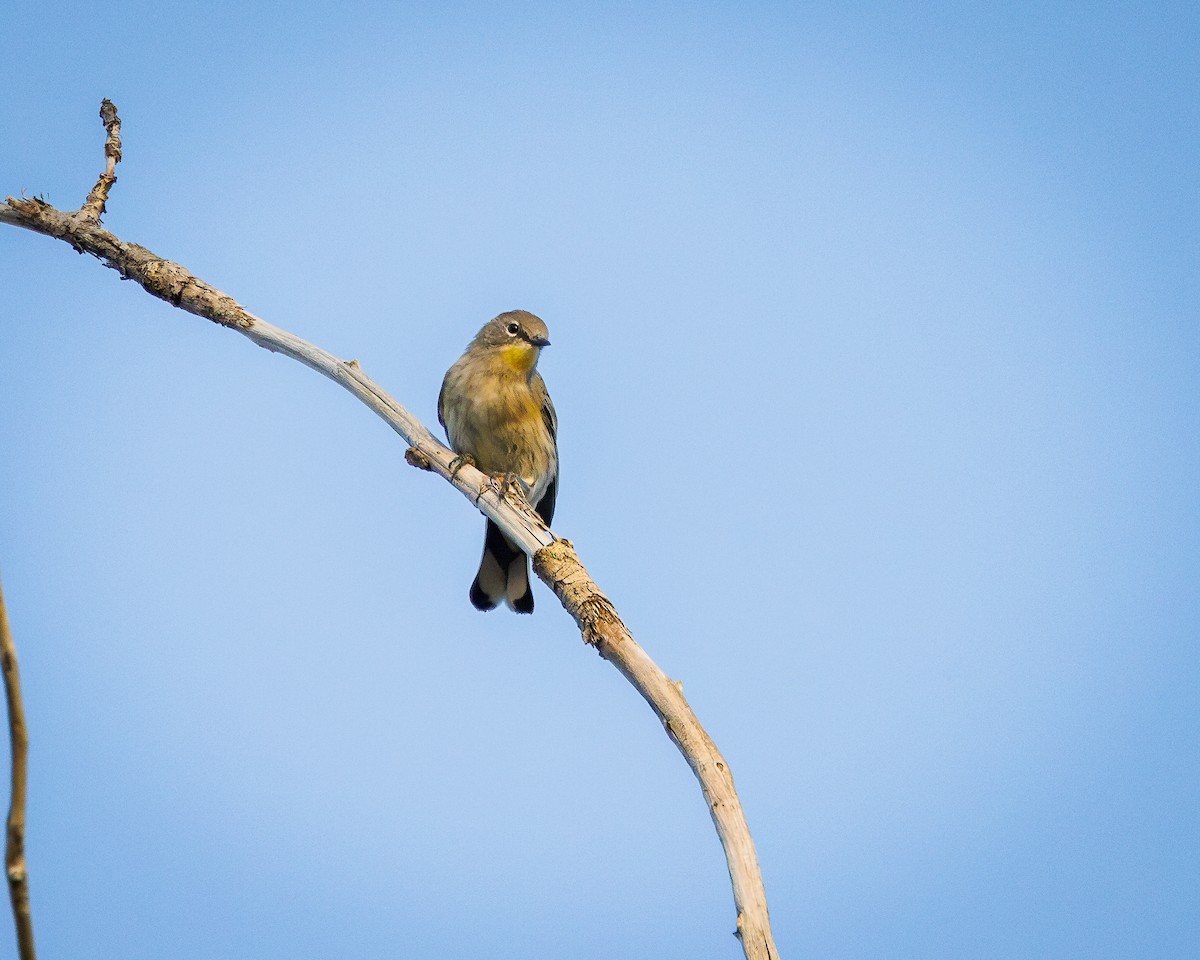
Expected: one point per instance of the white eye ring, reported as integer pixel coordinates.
(514, 328)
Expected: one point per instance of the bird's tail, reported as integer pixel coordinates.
(503, 574)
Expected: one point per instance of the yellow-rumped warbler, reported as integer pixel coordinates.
(496, 410)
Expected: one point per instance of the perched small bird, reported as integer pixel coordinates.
(495, 409)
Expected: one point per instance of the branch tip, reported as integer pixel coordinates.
(93, 206)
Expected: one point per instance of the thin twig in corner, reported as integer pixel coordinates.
(14, 851)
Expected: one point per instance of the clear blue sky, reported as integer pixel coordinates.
(877, 361)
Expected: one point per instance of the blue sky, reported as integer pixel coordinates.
(877, 365)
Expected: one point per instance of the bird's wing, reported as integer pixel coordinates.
(545, 506)
(538, 386)
(442, 407)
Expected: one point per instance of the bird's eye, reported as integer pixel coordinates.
(514, 328)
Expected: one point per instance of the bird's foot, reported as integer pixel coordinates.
(462, 460)
(509, 483)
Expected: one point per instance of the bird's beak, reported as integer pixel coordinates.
(539, 341)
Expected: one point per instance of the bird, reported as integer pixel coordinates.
(497, 413)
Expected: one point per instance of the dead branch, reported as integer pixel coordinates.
(554, 559)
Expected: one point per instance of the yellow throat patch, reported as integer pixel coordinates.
(520, 357)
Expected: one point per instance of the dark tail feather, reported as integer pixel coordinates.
(503, 571)
(518, 584)
(479, 599)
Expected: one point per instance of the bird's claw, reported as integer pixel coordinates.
(462, 460)
(510, 481)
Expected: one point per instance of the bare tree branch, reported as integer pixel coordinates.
(554, 559)
(14, 848)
